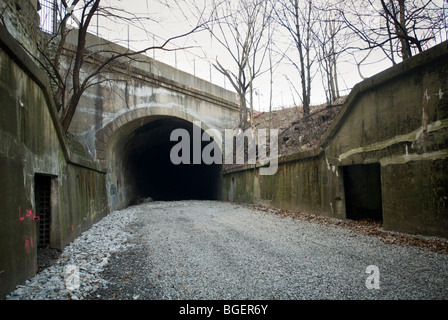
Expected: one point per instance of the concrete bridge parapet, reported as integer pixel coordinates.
(142, 87)
(124, 124)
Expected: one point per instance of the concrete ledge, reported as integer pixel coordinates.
(418, 61)
(142, 68)
(85, 163)
(19, 55)
(293, 157)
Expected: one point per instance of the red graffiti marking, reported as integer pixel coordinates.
(29, 215)
(20, 215)
(29, 243)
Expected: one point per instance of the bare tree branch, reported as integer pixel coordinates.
(60, 64)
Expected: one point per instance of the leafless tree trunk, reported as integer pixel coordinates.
(51, 50)
(241, 31)
(271, 81)
(399, 21)
(79, 85)
(329, 45)
(398, 28)
(298, 21)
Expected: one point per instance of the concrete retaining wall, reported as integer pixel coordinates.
(32, 143)
(393, 129)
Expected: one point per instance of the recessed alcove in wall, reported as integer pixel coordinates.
(362, 184)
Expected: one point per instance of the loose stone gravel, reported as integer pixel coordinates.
(218, 250)
(76, 273)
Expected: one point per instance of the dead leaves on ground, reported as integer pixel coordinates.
(364, 227)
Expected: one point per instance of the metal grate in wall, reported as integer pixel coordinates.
(42, 191)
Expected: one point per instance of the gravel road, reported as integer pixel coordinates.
(218, 250)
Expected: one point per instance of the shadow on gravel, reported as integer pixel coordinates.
(127, 278)
(46, 257)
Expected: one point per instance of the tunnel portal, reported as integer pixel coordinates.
(148, 169)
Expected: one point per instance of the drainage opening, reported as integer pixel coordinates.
(42, 191)
(362, 185)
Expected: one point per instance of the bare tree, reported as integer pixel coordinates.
(398, 28)
(330, 44)
(69, 79)
(241, 32)
(298, 20)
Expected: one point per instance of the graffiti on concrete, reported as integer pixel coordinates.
(29, 215)
(29, 243)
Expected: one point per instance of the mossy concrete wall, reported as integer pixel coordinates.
(302, 182)
(397, 119)
(21, 19)
(32, 142)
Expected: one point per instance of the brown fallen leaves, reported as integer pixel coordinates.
(364, 227)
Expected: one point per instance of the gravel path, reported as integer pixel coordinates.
(217, 250)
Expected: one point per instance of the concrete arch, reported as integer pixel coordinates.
(135, 149)
(129, 121)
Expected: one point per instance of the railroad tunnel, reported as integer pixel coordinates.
(140, 165)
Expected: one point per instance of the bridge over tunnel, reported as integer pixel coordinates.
(140, 165)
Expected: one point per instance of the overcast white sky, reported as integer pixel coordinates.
(167, 23)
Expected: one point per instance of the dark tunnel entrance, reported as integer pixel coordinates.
(157, 177)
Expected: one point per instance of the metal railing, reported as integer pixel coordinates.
(48, 16)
